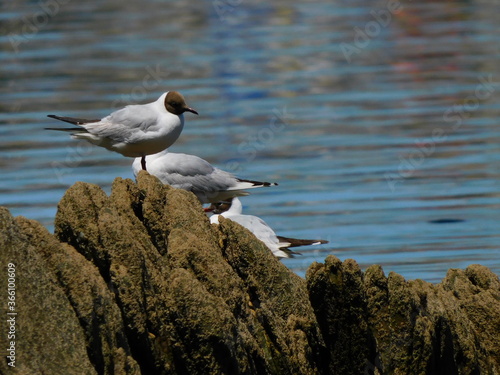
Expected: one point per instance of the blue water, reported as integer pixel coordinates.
(381, 126)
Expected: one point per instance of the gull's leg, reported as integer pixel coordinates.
(143, 163)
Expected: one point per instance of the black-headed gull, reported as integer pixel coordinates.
(277, 244)
(136, 130)
(192, 173)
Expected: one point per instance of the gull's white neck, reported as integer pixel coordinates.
(236, 207)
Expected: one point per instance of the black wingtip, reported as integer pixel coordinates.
(65, 119)
(73, 120)
(295, 242)
(75, 130)
(290, 253)
(258, 183)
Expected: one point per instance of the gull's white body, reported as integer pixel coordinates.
(135, 130)
(192, 173)
(257, 226)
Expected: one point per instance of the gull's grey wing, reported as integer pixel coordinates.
(258, 227)
(188, 172)
(124, 124)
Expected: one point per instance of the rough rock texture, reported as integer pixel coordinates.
(140, 283)
(374, 324)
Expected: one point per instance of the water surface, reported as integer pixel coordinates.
(380, 127)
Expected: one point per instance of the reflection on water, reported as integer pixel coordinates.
(379, 124)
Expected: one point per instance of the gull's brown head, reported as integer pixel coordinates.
(219, 207)
(176, 104)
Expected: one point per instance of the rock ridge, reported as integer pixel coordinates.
(140, 282)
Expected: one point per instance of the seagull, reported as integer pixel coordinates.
(136, 130)
(192, 173)
(277, 244)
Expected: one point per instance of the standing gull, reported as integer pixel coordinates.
(277, 244)
(192, 173)
(136, 130)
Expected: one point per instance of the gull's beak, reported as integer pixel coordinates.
(188, 109)
(210, 208)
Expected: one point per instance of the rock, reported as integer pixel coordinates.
(48, 337)
(374, 324)
(140, 283)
